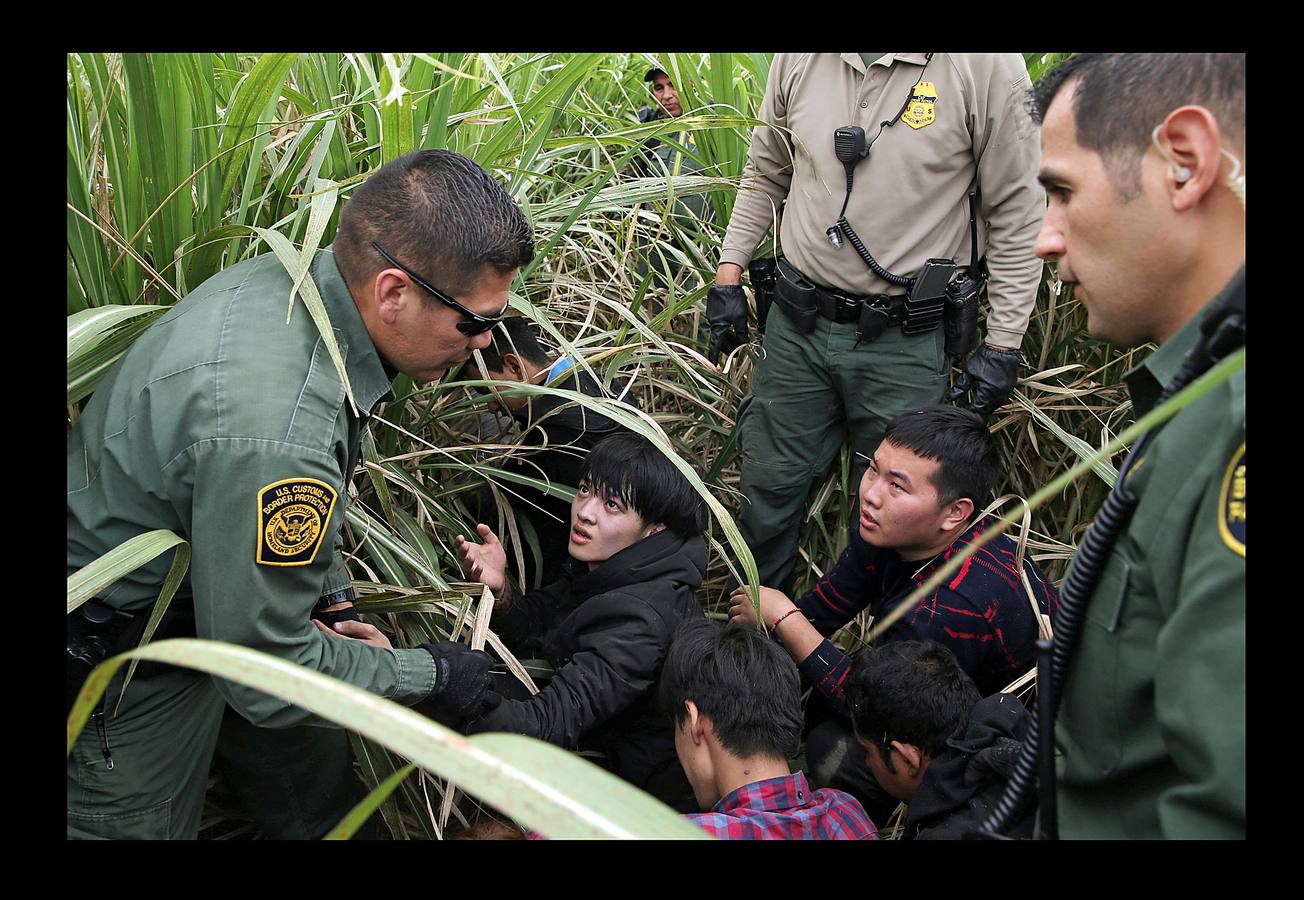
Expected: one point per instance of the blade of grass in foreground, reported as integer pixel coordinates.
(545, 788)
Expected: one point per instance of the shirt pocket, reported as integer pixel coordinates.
(1091, 713)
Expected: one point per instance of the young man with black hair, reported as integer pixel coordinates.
(637, 559)
(1143, 161)
(919, 499)
(231, 428)
(561, 430)
(736, 702)
(931, 741)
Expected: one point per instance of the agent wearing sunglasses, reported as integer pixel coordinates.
(234, 430)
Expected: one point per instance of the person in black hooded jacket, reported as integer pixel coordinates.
(637, 557)
(555, 434)
(932, 741)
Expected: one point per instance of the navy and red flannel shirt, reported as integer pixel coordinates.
(982, 613)
(785, 808)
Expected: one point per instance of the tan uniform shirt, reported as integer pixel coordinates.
(909, 200)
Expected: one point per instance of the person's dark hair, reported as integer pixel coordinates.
(746, 684)
(629, 468)
(652, 73)
(909, 691)
(439, 214)
(514, 335)
(959, 441)
(1119, 98)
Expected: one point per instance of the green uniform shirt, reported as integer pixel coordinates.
(231, 428)
(1152, 726)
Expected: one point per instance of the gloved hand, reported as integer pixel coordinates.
(461, 676)
(994, 763)
(726, 310)
(991, 375)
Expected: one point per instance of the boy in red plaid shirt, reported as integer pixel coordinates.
(736, 701)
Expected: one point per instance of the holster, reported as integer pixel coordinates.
(961, 318)
(796, 297)
(763, 273)
(97, 631)
(875, 315)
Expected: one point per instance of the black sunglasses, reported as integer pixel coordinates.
(478, 324)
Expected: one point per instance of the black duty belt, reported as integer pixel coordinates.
(843, 308)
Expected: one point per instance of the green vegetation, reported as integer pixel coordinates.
(182, 164)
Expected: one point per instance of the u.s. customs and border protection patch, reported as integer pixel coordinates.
(292, 518)
(919, 109)
(1231, 503)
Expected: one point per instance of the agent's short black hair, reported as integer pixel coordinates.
(439, 214)
(909, 691)
(1119, 98)
(514, 335)
(741, 680)
(652, 73)
(959, 441)
(627, 467)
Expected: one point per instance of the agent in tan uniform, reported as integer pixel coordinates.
(937, 126)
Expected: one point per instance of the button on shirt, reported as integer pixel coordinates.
(786, 808)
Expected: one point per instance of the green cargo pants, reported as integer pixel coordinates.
(295, 783)
(810, 393)
(161, 743)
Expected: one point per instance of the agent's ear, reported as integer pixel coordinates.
(389, 294)
(957, 513)
(653, 529)
(1192, 144)
(911, 755)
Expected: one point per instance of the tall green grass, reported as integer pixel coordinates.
(177, 163)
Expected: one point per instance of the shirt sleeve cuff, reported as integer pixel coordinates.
(416, 676)
(820, 663)
(1002, 338)
(737, 257)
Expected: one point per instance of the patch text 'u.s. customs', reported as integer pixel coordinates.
(292, 518)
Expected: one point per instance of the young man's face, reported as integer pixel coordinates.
(899, 507)
(498, 401)
(894, 780)
(423, 340)
(664, 90)
(601, 526)
(1112, 248)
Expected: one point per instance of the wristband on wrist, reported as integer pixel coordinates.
(775, 627)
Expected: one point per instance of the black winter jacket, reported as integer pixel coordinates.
(965, 782)
(607, 632)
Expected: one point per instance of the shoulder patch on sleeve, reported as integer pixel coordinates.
(1231, 503)
(292, 518)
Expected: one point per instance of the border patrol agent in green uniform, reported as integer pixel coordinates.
(847, 354)
(1141, 159)
(232, 429)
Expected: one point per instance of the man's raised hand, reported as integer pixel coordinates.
(486, 562)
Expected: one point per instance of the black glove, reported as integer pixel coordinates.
(994, 763)
(726, 310)
(991, 375)
(461, 676)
